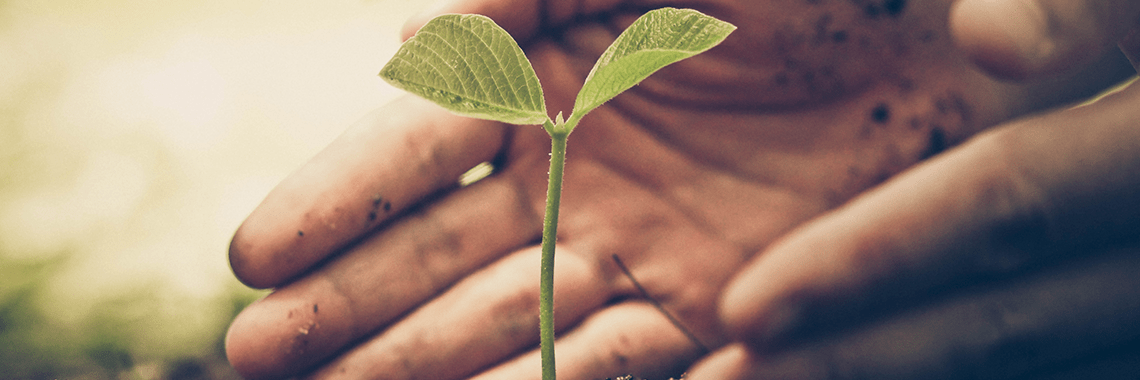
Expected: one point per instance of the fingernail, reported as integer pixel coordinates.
(1032, 33)
(1007, 38)
(1026, 25)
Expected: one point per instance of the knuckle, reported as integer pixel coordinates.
(1002, 334)
(1020, 224)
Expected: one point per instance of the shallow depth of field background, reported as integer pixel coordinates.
(134, 138)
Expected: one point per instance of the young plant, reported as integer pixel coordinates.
(472, 67)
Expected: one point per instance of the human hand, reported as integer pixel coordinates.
(1014, 254)
(384, 267)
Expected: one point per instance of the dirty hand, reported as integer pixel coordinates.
(385, 268)
(1012, 255)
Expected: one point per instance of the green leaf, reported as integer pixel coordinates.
(470, 66)
(655, 40)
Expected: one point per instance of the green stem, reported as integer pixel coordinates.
(549, 235)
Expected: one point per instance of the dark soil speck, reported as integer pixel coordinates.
(894, 7)
(937, 143)
(839, 36)
(881, 113)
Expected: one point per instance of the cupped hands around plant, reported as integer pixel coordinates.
(384, 268)
(472, 67)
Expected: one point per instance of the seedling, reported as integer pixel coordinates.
(472, 67)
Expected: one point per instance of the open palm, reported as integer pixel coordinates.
(385, 268)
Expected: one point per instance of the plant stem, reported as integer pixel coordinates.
(549, 235)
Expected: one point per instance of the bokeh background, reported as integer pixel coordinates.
(135, 136)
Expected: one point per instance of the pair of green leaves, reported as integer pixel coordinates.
(472, 67)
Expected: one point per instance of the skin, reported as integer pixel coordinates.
(742, 161)
(1037, 218)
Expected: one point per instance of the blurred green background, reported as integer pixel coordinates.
(134, 138)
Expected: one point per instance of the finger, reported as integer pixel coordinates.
(630, 338)
(387, 162)
(484, 319)
(1052, 320)
(1032, 38)
(380, 279)
(1010, 199)
(521, 18)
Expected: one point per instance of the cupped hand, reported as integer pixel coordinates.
(1011, 255)
(385, 268)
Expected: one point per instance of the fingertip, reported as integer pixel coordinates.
(1028, 39)
(735, 309)
(264, 252)
(417, 21)
(245, 265)
(763, 326)
(286, 333)
(277, 241)
(751, 309)
(1006, 38)
(520, 18)
(727, 363)
(245, 352)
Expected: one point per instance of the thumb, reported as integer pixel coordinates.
(1021, 39)
(521, 18)
(518, 17)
